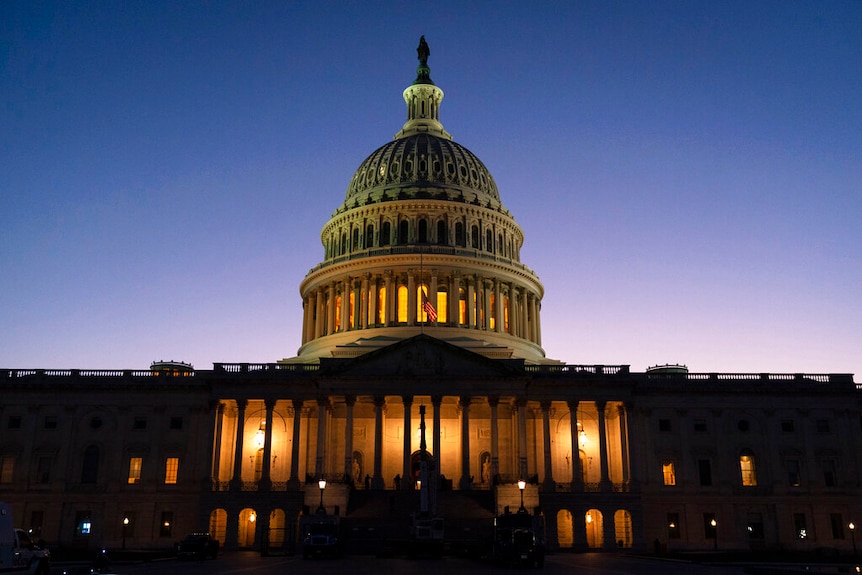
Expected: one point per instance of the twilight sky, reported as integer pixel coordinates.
(688, 175)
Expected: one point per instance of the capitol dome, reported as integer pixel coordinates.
(421, 244)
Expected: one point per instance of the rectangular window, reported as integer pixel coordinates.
(7, 467)
(837, 525)
(50, 422)
(829, 475)
(710, 526)
(135, 464)
(799, 526)
(794, 475)
(43, 470)
(747, 471)
(172, 465)
(755, 527)
(167, 525)
(673, 529)
(704, 471)
(176, 423)
(700, 425)
(787, 426)
(668, 473)
(664, 425)
(83, 524)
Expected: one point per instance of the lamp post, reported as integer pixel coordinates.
(322, 485)
(852, 527)
(521, 486)
(125, 528)
(714, 525)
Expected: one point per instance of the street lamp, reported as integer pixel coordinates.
(125, 528)
(852, 527)
(322, 485)
(714, 524)
(521, 486)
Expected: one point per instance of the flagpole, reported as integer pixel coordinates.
(421, 300)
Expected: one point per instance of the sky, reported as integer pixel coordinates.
(688, 175)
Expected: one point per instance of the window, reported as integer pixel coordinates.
(794, 475)
(50, 422)
(14, 422)
(172, 465)
(386, 234)
(167, 524)
(474, 233)
(37, 519)
(822, 425)
(704, 471)
(664, 425)
(402, 304)
(460, 236)
(829, 475)
(90, 468)
(673, 529)
(95, 422)
(668, 472)
(83, 524)
(700, 425)
(423, 231)
(140, 423)
(135, 464)
(837, 525)
(442, 238)
(788, 426)
(710, 526)
(746, 468)
(43, 470)
(176, 423)
(799, 526)
(7, 467)
(403, 228)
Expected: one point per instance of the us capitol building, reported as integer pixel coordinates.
(420, 322)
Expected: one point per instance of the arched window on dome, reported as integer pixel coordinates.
(403, 296)
(442, 305)
(474, 235)
(369, 237)
(489, 241)
(442, 236)
(500, 251)
(460, 237)
(462, 306)
(403, 230)
(355, 243)
(343, 244)
(381, 305)
(421, 315)
(337, 313)
(506, 313)
(492, 312)
(386, 234)
(423, 231)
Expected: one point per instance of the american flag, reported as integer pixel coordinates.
(428, 308)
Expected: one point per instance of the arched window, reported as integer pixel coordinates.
(442, 305)
(369, 236)
(402, 304)
(355, 245)
(442, 236)
(489, 241)
(386, 234)
(623, 528)
(337, 313)
(381, 305)
(343, 244)
(492, 312)
(462, 306)
(746, 468)
(474, 236)
(90, 471)
(403, 229)
(423, 231)
(460, 237)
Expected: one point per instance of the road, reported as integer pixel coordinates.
(248, 563)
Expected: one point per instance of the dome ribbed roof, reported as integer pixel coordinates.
(407, 167)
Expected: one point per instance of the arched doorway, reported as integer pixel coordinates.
(594, 528)
(416, 464)
(218, 524)
(623, 528)
(247, 527)
(565, 531)
(276, 528)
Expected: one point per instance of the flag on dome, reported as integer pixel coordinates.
(428, 308)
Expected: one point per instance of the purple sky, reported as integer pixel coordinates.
(688, 175)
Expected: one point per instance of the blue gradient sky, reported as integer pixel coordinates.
(688, 175)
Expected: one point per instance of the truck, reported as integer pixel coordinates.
(519, 539)
(18, 552)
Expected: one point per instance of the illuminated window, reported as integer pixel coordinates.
(135, 464)
(351, 319)
(172, 465)
(381, 305)
(506, 315)
(7, 466)
(402, 304)
(462, 306)
(746, 468)
(492, 311)
(800, 526)
(669, 473)
(421, 316)
(442, 306)
(338, 313)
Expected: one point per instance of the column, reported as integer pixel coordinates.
(373, 297)
(471, 302)
(465, 482)
(330, 309)
(624, 444)
(411, 297)
(216, 451)
(577, 484)
(548, 485)
(387, 319)
(294, 449)
(525, 320)
(265, 483)
(408, 432)
(493, 402)
(379, 404)
(320, 458)
(454, 298)
(522, 438)
(538, 305)
(319, 314)
(236, 482)
(363, 302)
(345, 305)
(498, 308)
(350, 401)
(604, 482)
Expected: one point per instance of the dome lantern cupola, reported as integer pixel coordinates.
(423, 101)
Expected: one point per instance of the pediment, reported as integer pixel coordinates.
(421, 356)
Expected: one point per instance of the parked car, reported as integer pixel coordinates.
(198, 546)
